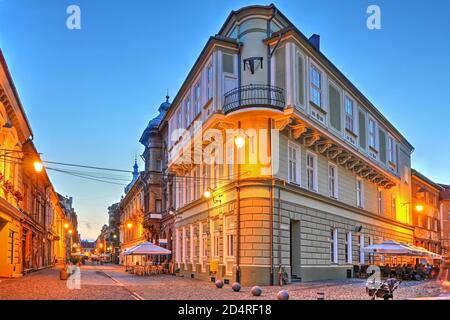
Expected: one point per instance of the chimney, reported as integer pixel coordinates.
(315, 41)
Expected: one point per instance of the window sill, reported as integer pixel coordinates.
(351, 132)
(313, 104)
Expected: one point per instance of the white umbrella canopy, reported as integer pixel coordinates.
(389, 247)
(147, 248)
(422, 252)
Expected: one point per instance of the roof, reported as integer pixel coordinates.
(13, 87)
(427, 180)
(210, 42)
(445, 193)
(338, 72)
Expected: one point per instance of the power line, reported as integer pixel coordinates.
(88, 167)
(84, 176)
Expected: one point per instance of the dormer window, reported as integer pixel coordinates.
(349, 115)
(315, 86)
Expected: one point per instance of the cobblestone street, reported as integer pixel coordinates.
(105, 282)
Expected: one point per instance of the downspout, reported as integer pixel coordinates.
(272, 202)
(269, 55)
(238, 222)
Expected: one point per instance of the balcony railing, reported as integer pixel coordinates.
(254, 95)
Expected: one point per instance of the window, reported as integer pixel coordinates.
(230, 245)
(359, 192)
(332, 181)
(216, 244)
(394, 205)
(334, 246)
(371, 255)
(205, 246)
(380, 199)
(361, 247)
(349, 114)
(228, 63)
(311, 171)
(372, 134)
(316, 86)
(293, 163)
(179, 119)
(209, 75)
(391, 150)
(158, 205)
(188, 112)
(197, 99)
(158, 165)
(348, 248)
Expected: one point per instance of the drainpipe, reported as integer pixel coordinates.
(238, 222)
(272, 203)
(269, 55)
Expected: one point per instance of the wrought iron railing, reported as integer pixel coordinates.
(253, 95)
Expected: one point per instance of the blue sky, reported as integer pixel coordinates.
(89, 93)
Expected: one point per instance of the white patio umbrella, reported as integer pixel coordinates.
(390, 247)
(147, 249)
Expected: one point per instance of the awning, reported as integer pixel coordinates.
(389, 247)
(147, 248)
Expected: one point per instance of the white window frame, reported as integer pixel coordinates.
(313, 87)
(297, 152)
(380, 201)
(188, 111)
(349, 239)
(314, 187)
(334, 252)
(348, 116)
(333, 183)
(191, 243)
(359, 192)
(197, 98)
(373, 143)
(209, 80)
(362, 258)
(215, 244)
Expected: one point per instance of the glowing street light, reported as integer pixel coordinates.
(419, 207)
(38, 166)
(129, 225)
(70, 231)
(66, 226)
(207, 194)
(239, 141)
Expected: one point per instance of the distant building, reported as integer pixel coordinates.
(426, 212)
(445, 218)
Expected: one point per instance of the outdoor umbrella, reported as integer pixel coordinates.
(390, 247)
(147, 249)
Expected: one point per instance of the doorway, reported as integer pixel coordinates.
(295, 248)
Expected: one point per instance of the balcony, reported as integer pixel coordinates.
(253, 95)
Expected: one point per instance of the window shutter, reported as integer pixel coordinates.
(362, 129)
(335, 107)
(228, 63)
(382, 137)
(280, 68)
(300, 79)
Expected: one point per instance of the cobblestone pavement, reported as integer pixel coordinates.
(112, 282)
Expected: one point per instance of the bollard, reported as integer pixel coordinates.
(320, 296)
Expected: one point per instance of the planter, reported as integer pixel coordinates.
(63, 275)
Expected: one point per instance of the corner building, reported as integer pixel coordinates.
(331, 173)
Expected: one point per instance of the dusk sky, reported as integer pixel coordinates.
(90, 93)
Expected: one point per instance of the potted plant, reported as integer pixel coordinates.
(18, 195)
(8, 186)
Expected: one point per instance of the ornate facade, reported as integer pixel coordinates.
(308, 174)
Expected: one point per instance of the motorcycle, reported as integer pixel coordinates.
(384, 290)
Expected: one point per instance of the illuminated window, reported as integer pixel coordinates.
(380, 196)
